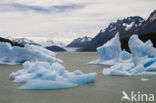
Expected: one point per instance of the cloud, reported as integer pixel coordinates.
(5, 7)
(64, 20)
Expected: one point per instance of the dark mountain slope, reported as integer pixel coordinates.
(125, 28)
(55, 48)
(9, 41)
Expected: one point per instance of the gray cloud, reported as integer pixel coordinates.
(64, 20)
(39, 9)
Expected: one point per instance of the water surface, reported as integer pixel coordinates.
(105, 89)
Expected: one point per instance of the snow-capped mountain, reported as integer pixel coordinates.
(24, 41)
(152, 16)
(125, 27)
(80, 42)
(51, 43)
(148, 26)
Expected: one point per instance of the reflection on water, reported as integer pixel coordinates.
(105, 89)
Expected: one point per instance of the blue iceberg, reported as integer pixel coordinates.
(141, 49)
(141, 59)
(42, 75)
(110, 53)
(18, 55)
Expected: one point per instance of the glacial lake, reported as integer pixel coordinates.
(105, 89)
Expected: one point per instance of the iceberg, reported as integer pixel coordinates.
(123, 69)
(141, 59)
(143, 53)
(110, 53)
(43, 75)
(18, 55)
(141, 49)
(46, 84)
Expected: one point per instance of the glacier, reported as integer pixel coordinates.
(43, 75)
(110, 53)
(140, 61)
(18, 55)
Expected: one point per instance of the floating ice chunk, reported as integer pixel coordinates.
(123, 69)
(144, 79)
(47, 84)
(141, 49)
(119, 70)
(142, 59)
(110, 53)
(18, 55)
(110, 50)
(42, 75)
(114, 72)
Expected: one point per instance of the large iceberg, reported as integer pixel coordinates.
(110, 53)
(141, 49)
(42, 75)
(17, 55)
(142, 61)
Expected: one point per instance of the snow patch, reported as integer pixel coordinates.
(128, 26)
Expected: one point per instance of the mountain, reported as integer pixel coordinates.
(80, 42)
(125, 27)
(51, 43)
(9, 41)
(55, 48)
(24, 41)
(148, 26)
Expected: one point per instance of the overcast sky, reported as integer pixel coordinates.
(64, 20)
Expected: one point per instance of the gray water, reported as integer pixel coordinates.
(105, 89)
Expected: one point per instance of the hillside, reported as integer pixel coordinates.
(9, 41)
(125, 27)
(80, 42)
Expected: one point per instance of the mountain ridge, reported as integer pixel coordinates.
(80, 42)
(125, 27)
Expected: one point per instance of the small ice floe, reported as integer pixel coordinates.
(144, 79)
